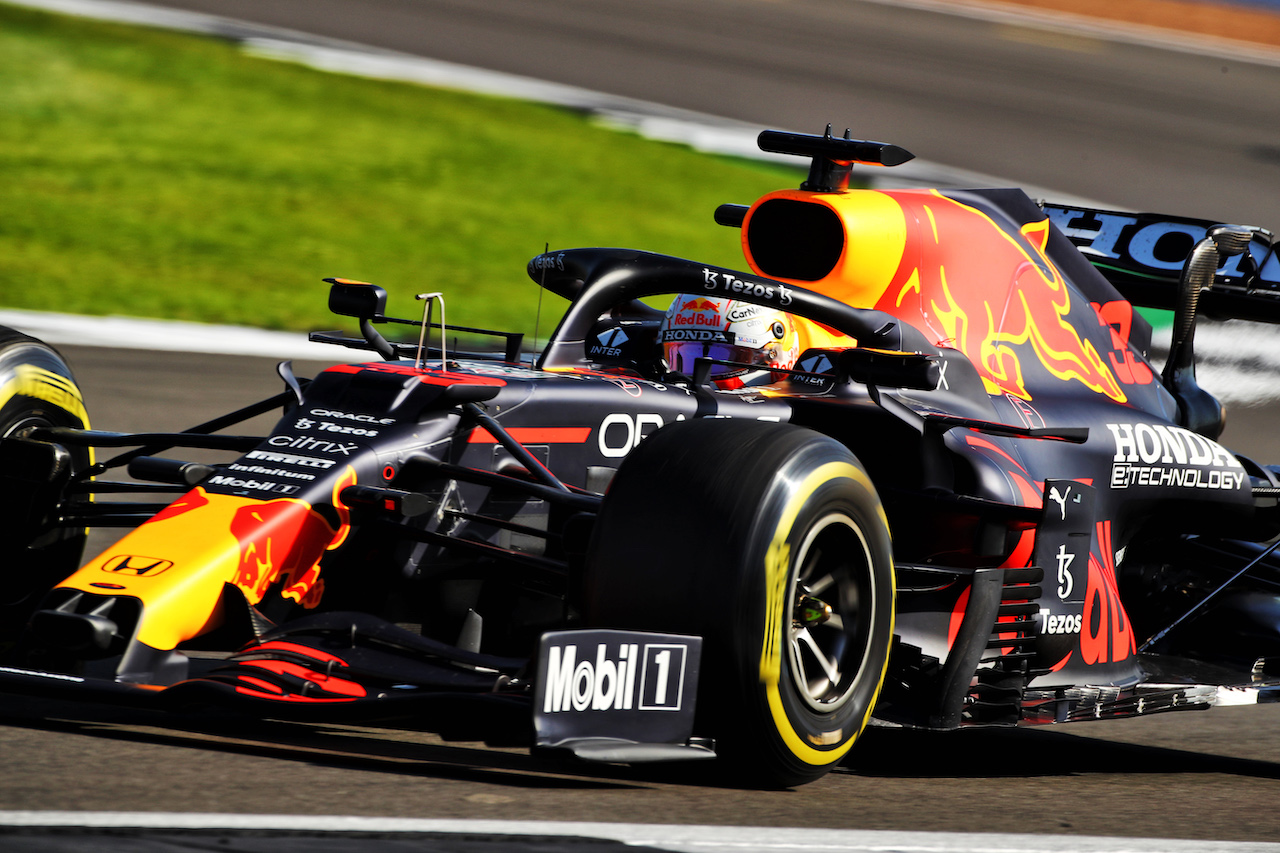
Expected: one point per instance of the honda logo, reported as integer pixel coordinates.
(129, 564)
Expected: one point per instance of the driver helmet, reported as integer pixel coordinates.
(729, 330)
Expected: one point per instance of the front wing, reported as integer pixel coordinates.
(600, 695)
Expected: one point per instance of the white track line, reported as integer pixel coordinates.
(686, 839)
(168, 335)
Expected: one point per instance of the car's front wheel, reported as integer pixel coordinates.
(37, 389)
(768, 541)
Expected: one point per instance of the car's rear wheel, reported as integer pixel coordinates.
(37, 389)
(768, 541)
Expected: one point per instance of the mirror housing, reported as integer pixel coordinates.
(358, 299)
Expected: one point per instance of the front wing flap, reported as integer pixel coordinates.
(599, 695)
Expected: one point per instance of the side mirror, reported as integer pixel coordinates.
(358, 299)
(367, 303)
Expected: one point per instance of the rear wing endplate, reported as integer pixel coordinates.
(1143, 254)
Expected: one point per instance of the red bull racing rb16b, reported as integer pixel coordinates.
(912, 466)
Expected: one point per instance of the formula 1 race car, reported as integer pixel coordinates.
(970, 500)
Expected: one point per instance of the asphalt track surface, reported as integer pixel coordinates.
(1130, 125)
(1127, 124)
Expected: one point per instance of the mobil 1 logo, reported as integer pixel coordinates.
(625, 685)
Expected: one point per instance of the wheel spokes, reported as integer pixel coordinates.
(825, 638)
(821, 585)
(830, 668)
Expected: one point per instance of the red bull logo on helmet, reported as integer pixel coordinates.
(696, 313)
(700, 304)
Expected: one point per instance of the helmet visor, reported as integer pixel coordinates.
(682, 355)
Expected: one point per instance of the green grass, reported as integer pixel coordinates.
(155, 174)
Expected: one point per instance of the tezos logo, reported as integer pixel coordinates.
(330, 426)
(548, 262)
(1067, 623)
(730, 283)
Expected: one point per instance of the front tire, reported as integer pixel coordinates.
(768, 541)
(37, 389)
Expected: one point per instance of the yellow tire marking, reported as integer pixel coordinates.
(777, 572)
(40, 384)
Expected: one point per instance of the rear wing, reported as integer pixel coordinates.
(1143, 255)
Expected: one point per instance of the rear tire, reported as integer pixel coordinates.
(768, 541)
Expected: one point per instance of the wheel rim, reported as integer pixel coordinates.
(832, 600)
(24, 423)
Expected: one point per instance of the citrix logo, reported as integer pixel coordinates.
(306, 442)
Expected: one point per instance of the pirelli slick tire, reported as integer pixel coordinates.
(769, 541)
(37, 388)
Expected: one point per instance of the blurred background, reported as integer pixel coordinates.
(167, 174)
(213, 160)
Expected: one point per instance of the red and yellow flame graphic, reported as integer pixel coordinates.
(951, 271)
(282, 541)
(961, 266)
(212, 540)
